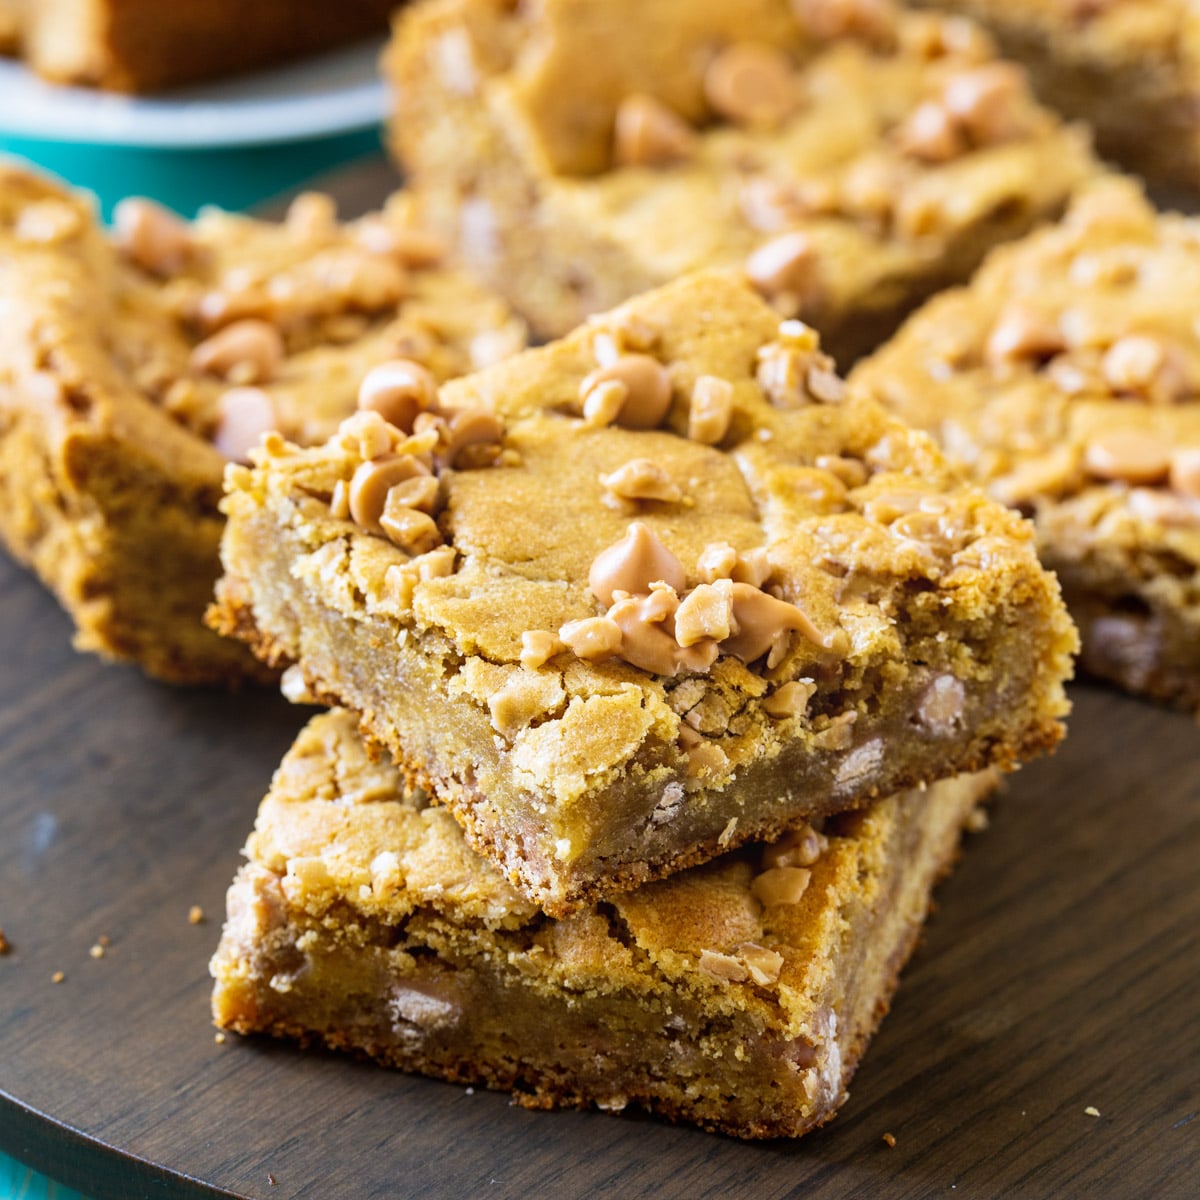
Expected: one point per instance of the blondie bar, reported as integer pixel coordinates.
(649, 592)
(579, 152)
(1131, 68)
(146, 45)
(132, 367)
(739, 995)
(1067, 379)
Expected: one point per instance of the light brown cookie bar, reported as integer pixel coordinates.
(133, 366)
(1131, 68)
(1067, 379)
(739, 995)
(579, 152)
(146, 45)
(649, 592)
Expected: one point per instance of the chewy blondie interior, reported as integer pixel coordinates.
(649, 592)
(1067, 379)
(739, 995)
(853, 159)
(134, 365)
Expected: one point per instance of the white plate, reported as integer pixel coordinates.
(336, 93)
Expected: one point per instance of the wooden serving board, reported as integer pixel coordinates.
(1060, 973)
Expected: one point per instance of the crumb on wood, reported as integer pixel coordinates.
(1091, 1111)
(271, 1179)
(97, 951)
(104, 940)
(5, 944)
(889, 1140)
(219, 1038)
(58, 977)
(195, 915)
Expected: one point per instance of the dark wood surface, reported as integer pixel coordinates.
(1061, 971)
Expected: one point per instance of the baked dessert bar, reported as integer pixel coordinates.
(579, 152)
(133, 366)
(739, 995)
(1067, 378)
(1129, 67)
(146, 45)
(647, 593)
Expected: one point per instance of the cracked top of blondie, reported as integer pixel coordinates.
(1066, 377)
(226, 326)
(673, 526)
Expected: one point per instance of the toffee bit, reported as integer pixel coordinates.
(889, 1140)
(195, 915)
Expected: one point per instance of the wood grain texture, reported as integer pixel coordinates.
(1060, 972)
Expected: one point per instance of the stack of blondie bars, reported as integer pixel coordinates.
(664, 668)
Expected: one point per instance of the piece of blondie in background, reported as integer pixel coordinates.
(1131, 68)
(739, 995)
(649, 592)
(146, 45)
(1066, 378)
(578, 152)
(132, 367)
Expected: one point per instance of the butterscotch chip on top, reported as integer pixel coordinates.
(851, 158)
(1130, 68)
(647, 650)
(134, 364)
(364, 921)
(1067, 379)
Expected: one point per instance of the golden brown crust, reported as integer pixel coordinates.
(109, 474)
(363, 922)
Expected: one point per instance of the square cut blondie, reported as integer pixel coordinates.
(739, 995)
(579, 152)
(147, 45)
(1066, 378)
(674, 593)
(1131, 68)
(133, 366)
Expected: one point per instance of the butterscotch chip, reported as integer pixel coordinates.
(248, 351)
(1149, 367)
(711, 410)
(633, 564)
(152, 236)
(751, 84)
(786, 266)
(1023, 334)
(244, 416)
(648, 134)
(723, 966)
(592, 638)
(398, 391)
(781, 885)
(413, 531)
(1130, 455)
(932, 134)
(646, 394)
(641, 479)
(373, 480)
(1185, 470)
(987, 101)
